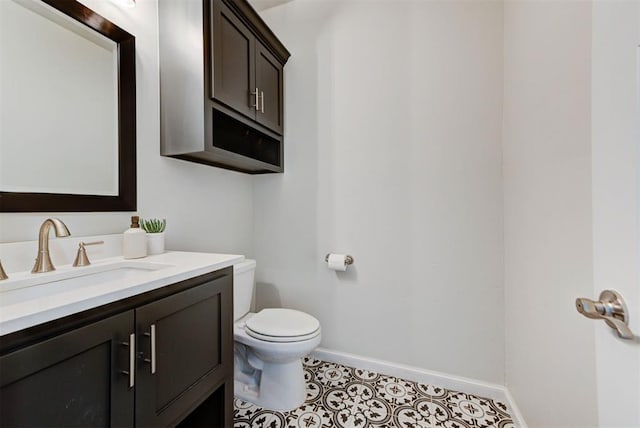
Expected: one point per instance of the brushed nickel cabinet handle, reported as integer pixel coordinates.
(152, 361)
(132, 360)
(257, 95)
(153, 348)
(262, 101)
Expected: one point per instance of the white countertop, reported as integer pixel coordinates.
(35, 304)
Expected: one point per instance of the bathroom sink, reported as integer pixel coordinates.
(26, 286)
(28, 299)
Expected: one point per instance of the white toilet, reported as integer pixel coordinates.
(268, 347)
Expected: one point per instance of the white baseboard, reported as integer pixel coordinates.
(456, 383)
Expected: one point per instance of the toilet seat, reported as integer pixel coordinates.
(282, 325)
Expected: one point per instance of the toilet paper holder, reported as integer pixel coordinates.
(348, 259)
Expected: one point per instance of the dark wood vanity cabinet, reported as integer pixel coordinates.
(246, 76)
(182, 363)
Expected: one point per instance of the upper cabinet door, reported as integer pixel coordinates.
(233, 61)
(269, 83)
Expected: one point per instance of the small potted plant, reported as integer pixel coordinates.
(155, 234)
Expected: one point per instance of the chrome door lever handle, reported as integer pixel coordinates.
(611, 308)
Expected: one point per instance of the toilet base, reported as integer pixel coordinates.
(279, 386)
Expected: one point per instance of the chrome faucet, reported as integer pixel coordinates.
(43, 262)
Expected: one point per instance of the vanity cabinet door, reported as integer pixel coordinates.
(185, 354)
(75, 379)
(269, 81)
(233, 61)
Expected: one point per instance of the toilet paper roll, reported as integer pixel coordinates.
(337, 262)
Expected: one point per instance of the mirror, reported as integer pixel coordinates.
(67, 109)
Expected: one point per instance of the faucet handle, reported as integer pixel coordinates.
(81, 258)
(3, 275)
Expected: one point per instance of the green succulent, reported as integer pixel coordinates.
(153, 225)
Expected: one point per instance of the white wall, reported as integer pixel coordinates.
(207, 209)
(393, 128)
(550, 348)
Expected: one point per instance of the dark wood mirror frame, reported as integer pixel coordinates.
(126, 198)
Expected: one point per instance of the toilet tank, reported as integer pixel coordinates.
(243, 283)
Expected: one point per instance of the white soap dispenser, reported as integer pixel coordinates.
(134, 240)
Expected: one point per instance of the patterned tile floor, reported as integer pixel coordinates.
(345, 397)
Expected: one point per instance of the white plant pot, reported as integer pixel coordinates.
(155, 243)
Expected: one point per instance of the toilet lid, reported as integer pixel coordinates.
(282, 325)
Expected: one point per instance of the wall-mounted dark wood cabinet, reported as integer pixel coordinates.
(246, 76)
(232, 115)
(161, 357)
